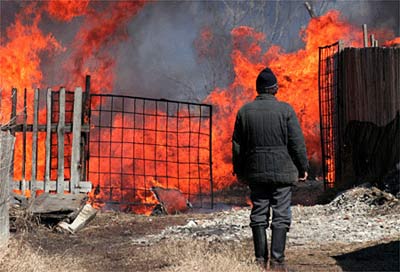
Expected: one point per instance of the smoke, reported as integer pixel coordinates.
(376, 14)
(158, 60)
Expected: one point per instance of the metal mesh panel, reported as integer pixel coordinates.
(137, 143)
(328, 103)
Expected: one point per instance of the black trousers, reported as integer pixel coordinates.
(265, 198)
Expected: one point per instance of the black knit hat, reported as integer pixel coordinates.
(265, 80)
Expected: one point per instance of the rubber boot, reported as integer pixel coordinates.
(260, 245)
(278, 244)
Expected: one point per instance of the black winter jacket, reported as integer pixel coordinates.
(268, 144)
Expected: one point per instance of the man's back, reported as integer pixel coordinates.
(265, 121)
(270, 141)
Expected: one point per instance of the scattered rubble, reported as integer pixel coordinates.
(357, 215)
(54, 210)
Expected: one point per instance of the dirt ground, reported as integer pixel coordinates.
(106, 245)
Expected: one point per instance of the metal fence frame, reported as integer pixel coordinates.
(328, 84)
(136, 120)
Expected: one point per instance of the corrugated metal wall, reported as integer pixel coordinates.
(369, 105)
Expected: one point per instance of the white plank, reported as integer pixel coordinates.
(48, 140)
(60, 142)
(76, 140)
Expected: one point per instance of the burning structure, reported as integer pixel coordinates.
(124, 152)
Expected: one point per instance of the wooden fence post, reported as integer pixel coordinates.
(365, 35)
(76, 141)
(13, 122)
(24, 186)
(6, 155)
(48, 142)
(34, 142)
(60, 142)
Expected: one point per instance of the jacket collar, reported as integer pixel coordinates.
(265, 96)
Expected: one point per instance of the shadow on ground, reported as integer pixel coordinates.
(382, 257)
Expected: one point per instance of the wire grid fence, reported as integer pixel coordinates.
(137, 143)
(328, 78)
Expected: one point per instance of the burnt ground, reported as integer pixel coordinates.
(106, 244)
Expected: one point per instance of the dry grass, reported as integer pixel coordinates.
(208, 257)
(20, 256)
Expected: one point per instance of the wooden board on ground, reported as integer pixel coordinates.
(57, 205)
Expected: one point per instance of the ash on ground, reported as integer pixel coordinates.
(357, 215)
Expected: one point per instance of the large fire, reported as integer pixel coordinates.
(25, 44)
(297, 75)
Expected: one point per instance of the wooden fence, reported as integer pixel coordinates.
(64, 119)
(368, 112)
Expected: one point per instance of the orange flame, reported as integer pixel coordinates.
(393, 42)
(66, 10)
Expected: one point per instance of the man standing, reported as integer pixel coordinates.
(269, 154)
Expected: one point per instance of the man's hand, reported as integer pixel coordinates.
(303, 178)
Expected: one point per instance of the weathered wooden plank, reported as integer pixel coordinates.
(6, 155)
(86, 101)
(13, 117)
(365, 35)
(58, 203)
(4, 216)
(83, 186)
(34, 142)
(76, 140)
(23, 160)
(60, 142)
(48, 140)
(85, 215)
(13, 121)
(85, 134)
(43, 128)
